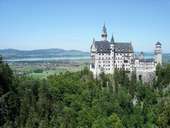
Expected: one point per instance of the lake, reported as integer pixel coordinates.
(48, 59)
(147, 55)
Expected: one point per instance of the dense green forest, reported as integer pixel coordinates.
(77, 100)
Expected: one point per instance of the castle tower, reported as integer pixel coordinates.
(141, 56)
(104, 33)
(158, 53)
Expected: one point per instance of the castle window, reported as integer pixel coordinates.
(140, 77)
(125, 61)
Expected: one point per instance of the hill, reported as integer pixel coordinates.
(40, 53)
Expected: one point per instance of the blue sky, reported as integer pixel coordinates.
(72, 24)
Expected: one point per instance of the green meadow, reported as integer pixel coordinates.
(43, 69)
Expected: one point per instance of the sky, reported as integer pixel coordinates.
(72, 24)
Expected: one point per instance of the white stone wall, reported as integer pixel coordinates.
(145, 66)
(124, 60)
(107, 62)
(145, 70)
(104, 62)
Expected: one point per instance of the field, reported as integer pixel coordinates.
(42, 69)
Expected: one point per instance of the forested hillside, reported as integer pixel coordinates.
(77, 100)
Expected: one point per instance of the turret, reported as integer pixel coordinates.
(93, 48)
(141, 57)
(104, 33)
(112, 39)
(158, 53)
(93, 52)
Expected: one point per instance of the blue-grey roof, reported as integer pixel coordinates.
(158, 43)
(123, 47)
(102, 46)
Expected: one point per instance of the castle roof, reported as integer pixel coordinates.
(123, 47)
(104, 47)
(158, 43)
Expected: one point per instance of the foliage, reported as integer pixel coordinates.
(38, 71)
(77, 100)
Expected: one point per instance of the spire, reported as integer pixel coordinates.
(104, 28)
(93, 40)
(93, 44)
(112, 39)
(104, 33)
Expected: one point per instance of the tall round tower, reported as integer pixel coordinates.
(104, 33)
(158, 53)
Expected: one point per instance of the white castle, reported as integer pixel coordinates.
(106, 56)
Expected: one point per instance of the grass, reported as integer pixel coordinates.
(58, 70)
(49, 68)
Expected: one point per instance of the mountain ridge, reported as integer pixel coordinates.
(52, 52)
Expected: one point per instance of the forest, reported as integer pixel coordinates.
(78, 100)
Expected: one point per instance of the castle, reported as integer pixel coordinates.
(106, 56)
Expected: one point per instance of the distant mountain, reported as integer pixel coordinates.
(40, 53)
